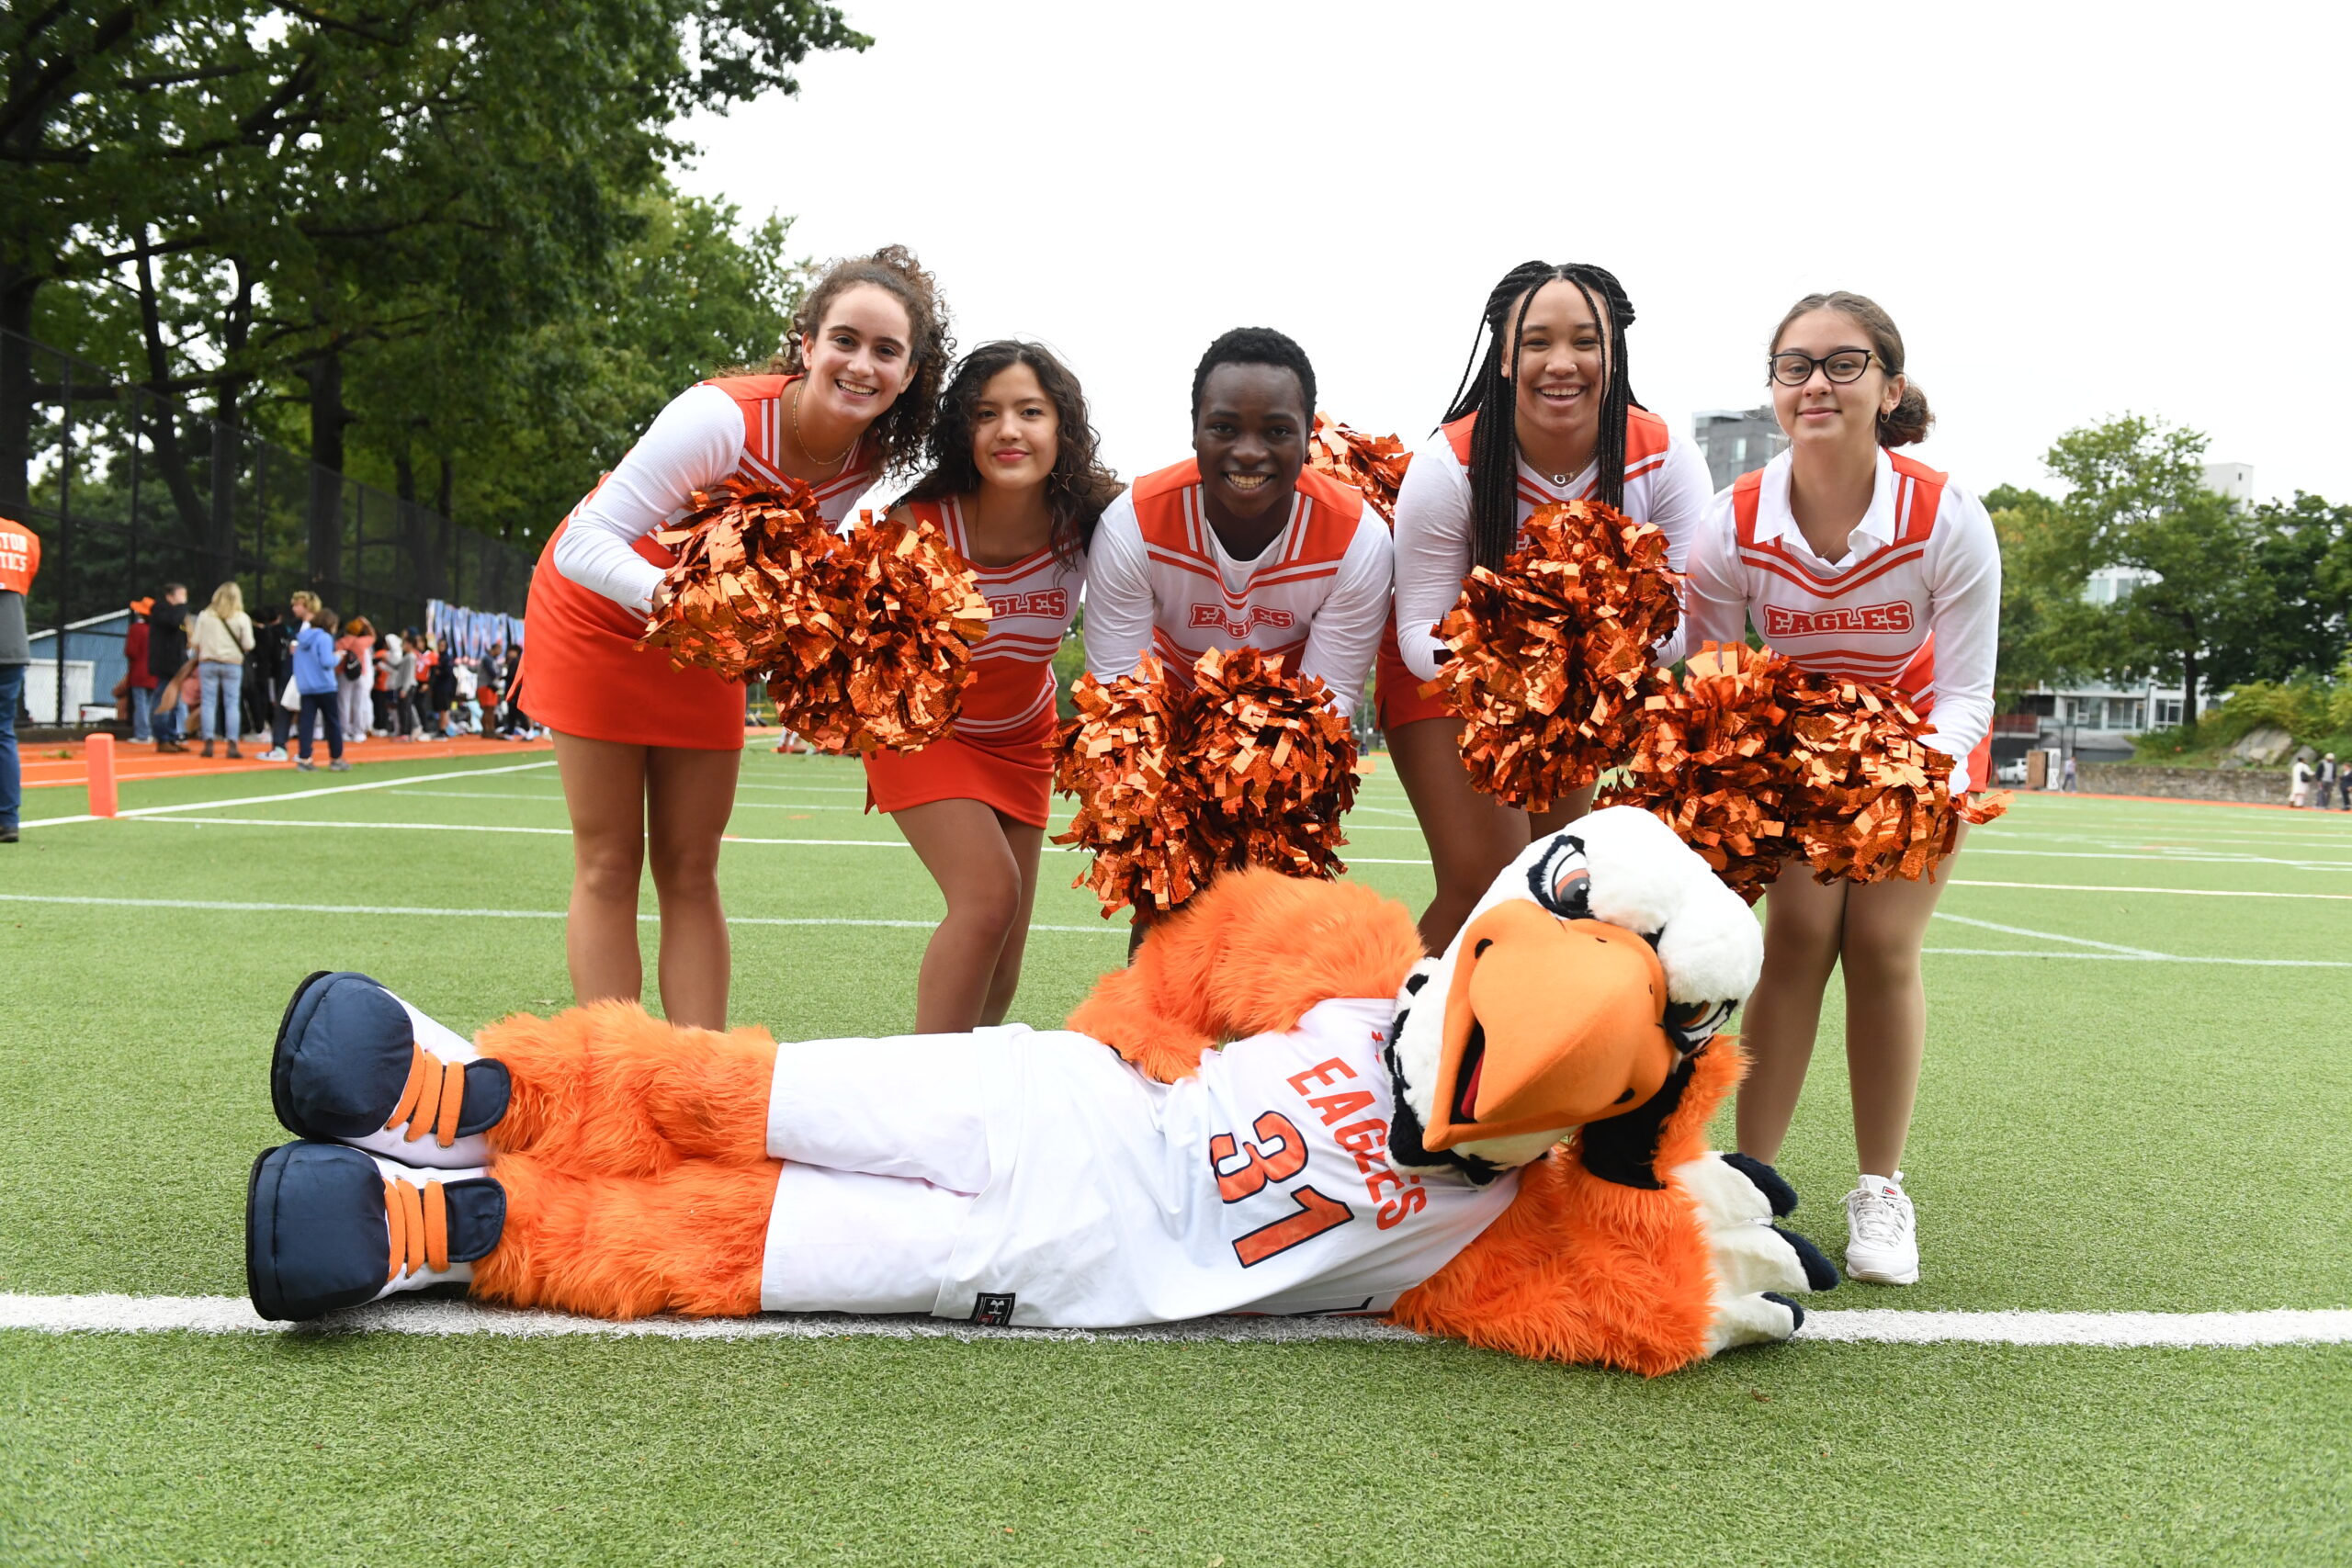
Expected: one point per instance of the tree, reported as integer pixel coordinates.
(2135, 499)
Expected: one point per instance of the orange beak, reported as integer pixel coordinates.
(1549, 1024)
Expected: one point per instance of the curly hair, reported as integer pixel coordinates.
(1255, 346)
(899, 433)
(1077, 490)
(1909, 420)
(1485, 390)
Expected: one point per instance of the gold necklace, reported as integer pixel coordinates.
(837, 463)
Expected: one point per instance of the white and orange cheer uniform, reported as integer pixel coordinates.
(1161, 581)
(582, 672)
(1666, 483)
(1000, 751)
(1914, 603)
(1033, 1176)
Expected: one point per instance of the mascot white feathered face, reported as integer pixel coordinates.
(1598, 964)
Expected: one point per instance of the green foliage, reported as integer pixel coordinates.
(443, 225)
(2216, 594)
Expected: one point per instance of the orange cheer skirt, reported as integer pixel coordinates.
(584, 674)
(1396, 691)
(1013, 773)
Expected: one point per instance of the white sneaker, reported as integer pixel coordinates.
(1882, 1234)
(275, 754)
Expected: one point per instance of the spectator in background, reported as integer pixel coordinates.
(2066, 775)
(19, 564)
(318, 677)
(139, 693)
(469, 688)
(387, 647)
(224, 635)
(356, 677)
(166, 653)
(404, 719)
(2299, 783)
(441, 689)
(2328, 775)
(286, 634)
(263, 676)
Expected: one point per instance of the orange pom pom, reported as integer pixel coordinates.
(1274, 762)
(865, 639)
(1249, 767)
(1373, 464)
(1754, 762)
(1550, 653)
(1138, 811)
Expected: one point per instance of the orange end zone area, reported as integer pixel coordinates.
(51, 766)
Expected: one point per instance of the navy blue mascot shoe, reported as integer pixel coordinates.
(328, 1226)
(356, 1065)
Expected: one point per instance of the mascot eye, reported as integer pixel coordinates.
(1692, 1024)
(1560, 881)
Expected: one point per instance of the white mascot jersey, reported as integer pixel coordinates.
(1061, 1187)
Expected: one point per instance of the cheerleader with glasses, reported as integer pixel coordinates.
(1013, 482)
(647, 753)
(1853, 560)
(1545, 413)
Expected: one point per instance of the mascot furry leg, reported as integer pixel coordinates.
(1504, 1144)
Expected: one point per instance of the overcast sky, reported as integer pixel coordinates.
(2071, 211)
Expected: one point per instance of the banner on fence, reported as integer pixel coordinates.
(470, 634)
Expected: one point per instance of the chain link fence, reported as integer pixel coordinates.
(128, 491)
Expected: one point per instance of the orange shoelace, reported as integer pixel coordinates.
(420, 1227)
(429, 1102)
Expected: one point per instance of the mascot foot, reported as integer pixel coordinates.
(328, 1226)
(1758, 1267)
(356, 1065)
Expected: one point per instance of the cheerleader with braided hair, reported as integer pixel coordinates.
(1545, 412)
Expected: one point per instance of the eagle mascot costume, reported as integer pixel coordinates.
(1282, 1106)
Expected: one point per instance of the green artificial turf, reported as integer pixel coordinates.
(2092, 1136)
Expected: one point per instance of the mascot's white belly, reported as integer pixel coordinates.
(1051, 1184)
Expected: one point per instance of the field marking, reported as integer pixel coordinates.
(2183, 892)
(2170, 859)
(235, 1314)
(294, 793)
(2144, 958)
(647, 919)
(2046, 936)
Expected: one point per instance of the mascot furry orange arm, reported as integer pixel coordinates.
(1298, 1113)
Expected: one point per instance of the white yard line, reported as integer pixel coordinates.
(2144, 958)
(240, 907)
(1975, 849)
(2046, 936)
(2181, 892)
(296, 793)
(235, 1314)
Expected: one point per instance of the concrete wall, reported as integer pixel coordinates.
(2265, 785)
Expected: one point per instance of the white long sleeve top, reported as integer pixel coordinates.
(708, 433)
(1666, 483)
(1160, 581)
(1914, 601)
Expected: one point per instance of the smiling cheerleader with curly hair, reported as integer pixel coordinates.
(648, 751)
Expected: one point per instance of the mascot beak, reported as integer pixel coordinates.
(1549, 1024)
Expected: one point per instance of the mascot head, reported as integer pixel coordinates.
(1600, 960)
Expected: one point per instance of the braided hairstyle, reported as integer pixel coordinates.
(1079, 486)
(1487, 391)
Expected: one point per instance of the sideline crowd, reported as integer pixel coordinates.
(219, 676)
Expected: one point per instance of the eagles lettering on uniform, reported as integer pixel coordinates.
(1666, 483)
(1161, 581)
(1915, 603)
(1031, 603)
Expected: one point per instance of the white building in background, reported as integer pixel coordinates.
(2098, 720)
(1736, 441)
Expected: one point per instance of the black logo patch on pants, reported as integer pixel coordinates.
(994, 1310)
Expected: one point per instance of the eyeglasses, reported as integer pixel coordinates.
(1841, 365)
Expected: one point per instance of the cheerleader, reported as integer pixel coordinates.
(1242, 546)
(1853, 560)
(649, 752)
(1555, 363)
(1014, 484)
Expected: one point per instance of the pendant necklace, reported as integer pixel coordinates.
(836, 464)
